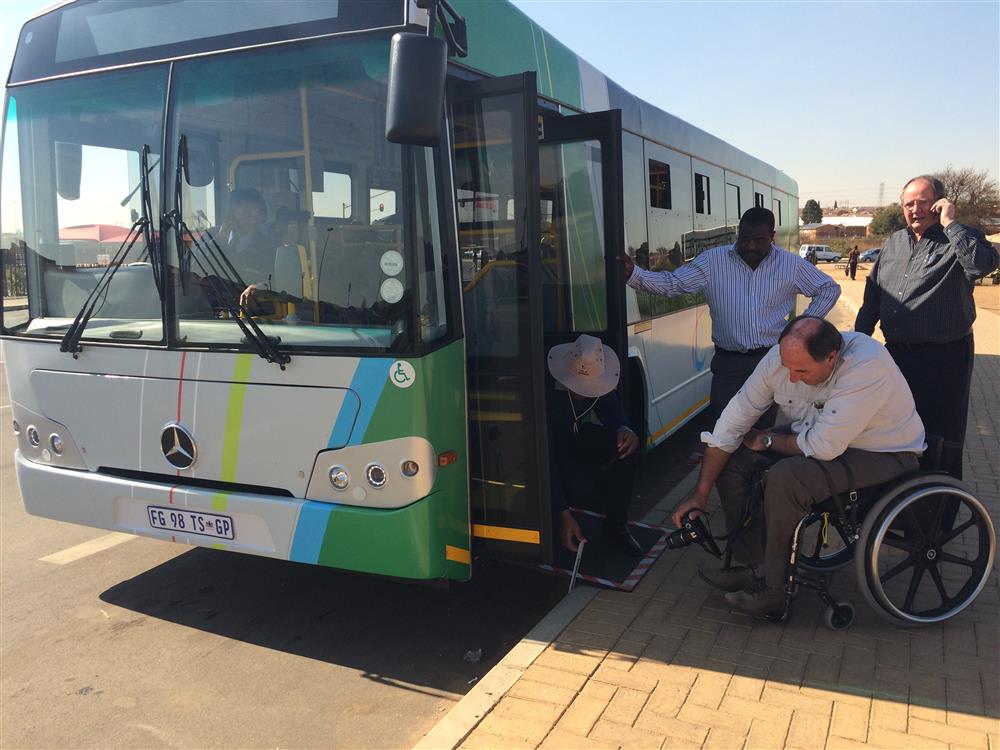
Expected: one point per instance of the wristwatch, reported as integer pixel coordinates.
(768, 441)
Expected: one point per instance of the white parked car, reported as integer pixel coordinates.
(824, 253)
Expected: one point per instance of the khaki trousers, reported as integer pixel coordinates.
(794, 484)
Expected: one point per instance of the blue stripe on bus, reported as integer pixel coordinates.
(369, 380)
(309, 532)
(341, 432)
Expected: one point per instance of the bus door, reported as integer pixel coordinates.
(494, 133)
(582, 229)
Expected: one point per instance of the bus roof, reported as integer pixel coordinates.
(504, 41)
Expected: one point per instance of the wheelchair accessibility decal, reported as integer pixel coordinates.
(402, 374)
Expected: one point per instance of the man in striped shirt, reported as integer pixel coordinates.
(750, 288)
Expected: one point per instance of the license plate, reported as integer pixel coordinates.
(190, 521)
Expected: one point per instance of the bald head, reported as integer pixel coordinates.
(808, 347)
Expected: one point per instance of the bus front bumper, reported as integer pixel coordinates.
(405, 542)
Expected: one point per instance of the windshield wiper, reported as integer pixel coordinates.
(124, 201)
(143, 226)
(71, 341)
(215, 268)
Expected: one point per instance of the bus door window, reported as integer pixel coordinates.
(572, 242)
(495, 290)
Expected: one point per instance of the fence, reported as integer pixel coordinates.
(14, 280)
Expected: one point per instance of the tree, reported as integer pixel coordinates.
(888, 220)
(812, 213)
(835, 204)
(973, 192)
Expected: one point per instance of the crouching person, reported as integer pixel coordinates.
(592, 448)
(848, 422)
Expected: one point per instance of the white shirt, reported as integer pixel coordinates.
(864, 404)
(749, 307)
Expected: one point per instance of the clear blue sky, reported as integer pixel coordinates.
(840, 95)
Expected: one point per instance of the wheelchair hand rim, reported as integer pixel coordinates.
(871, 548)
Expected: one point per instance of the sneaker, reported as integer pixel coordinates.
(758, 600)
(729, 579)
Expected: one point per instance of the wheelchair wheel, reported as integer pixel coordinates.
(835, 554)
(925, 551)
(839, 617)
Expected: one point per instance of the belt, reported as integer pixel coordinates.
(923, 345)
(749, 353)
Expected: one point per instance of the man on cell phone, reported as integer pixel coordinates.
(920, 290)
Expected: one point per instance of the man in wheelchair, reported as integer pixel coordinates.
(846, 420)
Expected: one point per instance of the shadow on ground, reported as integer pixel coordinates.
(392, 631)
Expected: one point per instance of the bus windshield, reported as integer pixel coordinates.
(282, 200)
(71, 192)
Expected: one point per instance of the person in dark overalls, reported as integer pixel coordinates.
(592, 448)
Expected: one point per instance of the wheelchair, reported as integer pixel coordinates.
(922, 547)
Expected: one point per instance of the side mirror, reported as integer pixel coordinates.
(69, 164)
(417, 69)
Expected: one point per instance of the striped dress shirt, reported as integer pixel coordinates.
(749, 307)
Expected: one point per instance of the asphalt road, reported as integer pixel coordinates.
(110, 640)
(143, 643)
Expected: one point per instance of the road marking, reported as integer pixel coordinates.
(72, 554)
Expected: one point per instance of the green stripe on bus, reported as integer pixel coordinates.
(220, 501)
(234, 416)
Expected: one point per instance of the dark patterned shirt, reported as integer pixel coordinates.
(921, 292)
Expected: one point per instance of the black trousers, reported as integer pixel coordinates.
(730, 371)
(591, 469)
(939, 376)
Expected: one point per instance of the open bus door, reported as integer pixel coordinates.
(494, 134)
(539, 218)
(582, 229)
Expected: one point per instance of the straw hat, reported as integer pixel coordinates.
(585, 366)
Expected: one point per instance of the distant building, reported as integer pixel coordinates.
(814, 232)
(837, 226)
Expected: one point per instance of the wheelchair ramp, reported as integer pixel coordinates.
(603, 564)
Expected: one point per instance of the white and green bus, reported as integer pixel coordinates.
(377, 402)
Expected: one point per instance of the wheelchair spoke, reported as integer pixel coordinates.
(914, 522)
(958, 530)
(896, 570)
(936, 575)
(935, 527)
(898, 542)
(818, 549)
(911, 591)
(948, 557)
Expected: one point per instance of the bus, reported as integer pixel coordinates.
(239, 312)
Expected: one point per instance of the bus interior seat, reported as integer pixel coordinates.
(349, 272)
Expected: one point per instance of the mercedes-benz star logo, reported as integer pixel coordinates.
(178, 446)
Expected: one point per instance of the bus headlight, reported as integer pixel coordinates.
(339, 477)
(409, 468)
(57, 444)
(375, 473)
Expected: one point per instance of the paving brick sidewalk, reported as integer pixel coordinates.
(670, 666)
